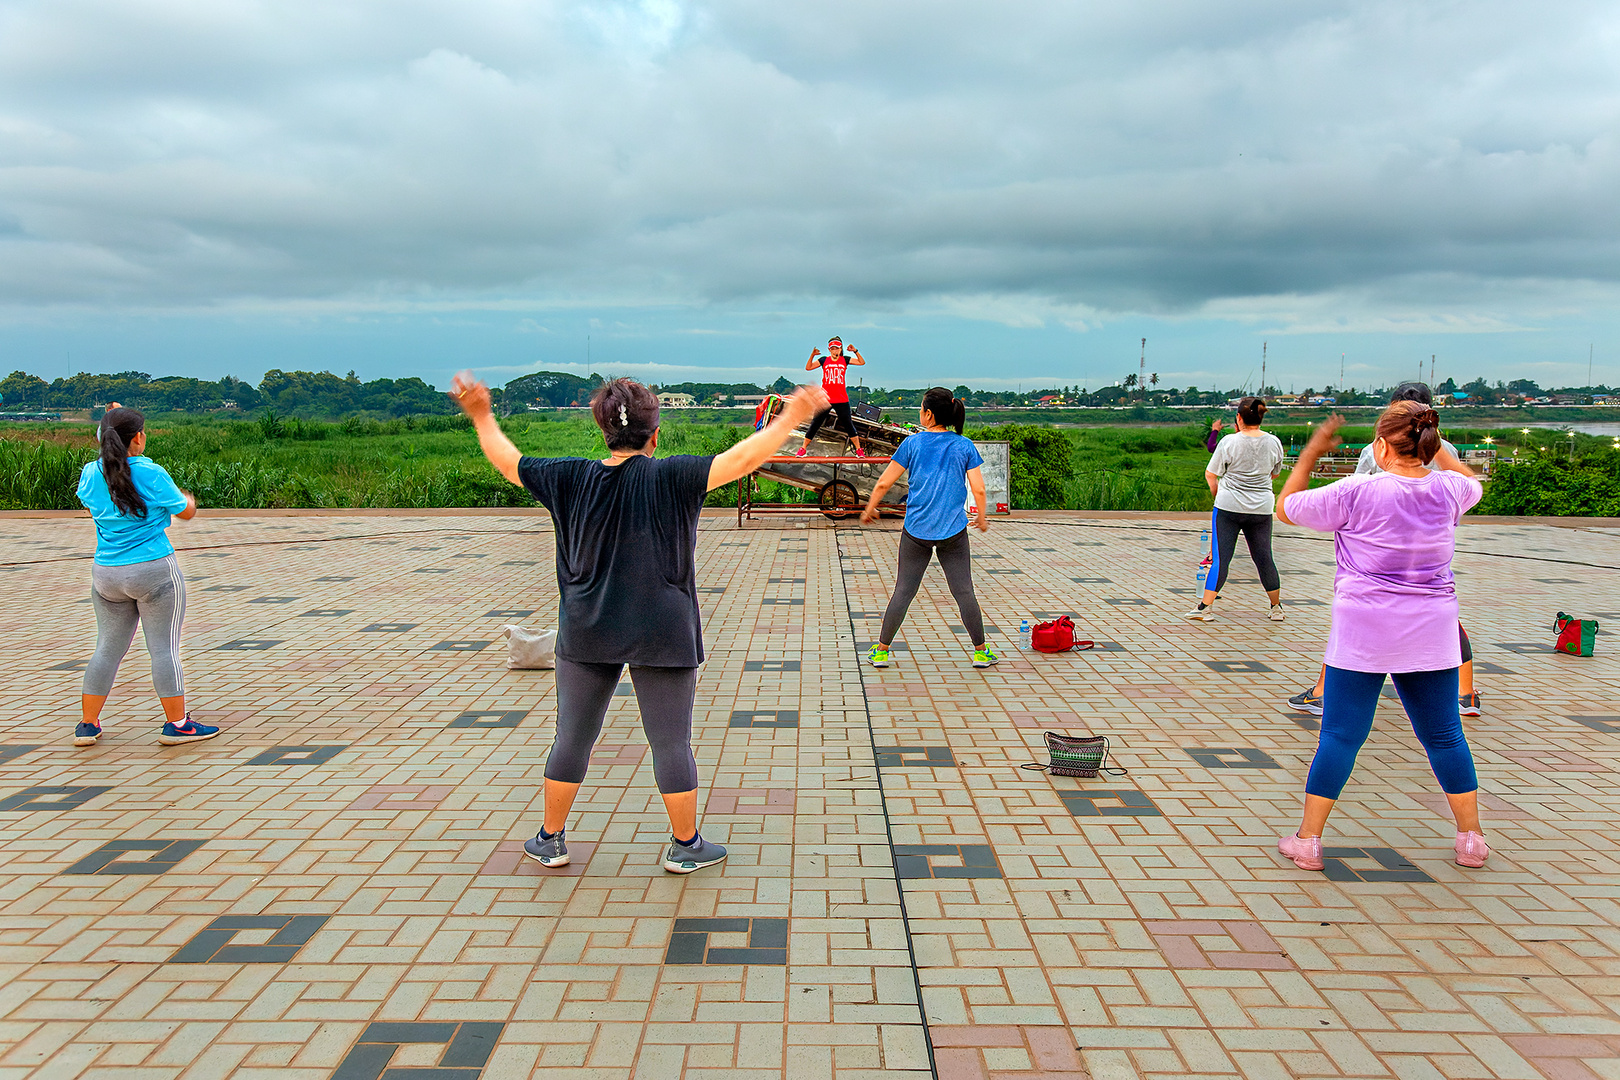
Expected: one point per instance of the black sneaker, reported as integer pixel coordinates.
(680, 859)
(87, 734)
(1307, 701)
(547, 850)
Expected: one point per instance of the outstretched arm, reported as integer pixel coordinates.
(1322, 440)
(473, 397)
(881, 488)
(751, 453)
(1447, 462)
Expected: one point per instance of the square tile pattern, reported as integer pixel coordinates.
(336, 887)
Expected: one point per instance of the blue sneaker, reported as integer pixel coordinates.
(187, 730)
(680, 859)
(547, 850)
(87, 734)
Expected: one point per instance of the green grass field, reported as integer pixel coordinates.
(435, 462)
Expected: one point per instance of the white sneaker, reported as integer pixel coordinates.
(1201, 614)
(1276, 613)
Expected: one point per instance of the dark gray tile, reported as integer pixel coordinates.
(1231, 757)
(212, 944)
(1228, 666)
(295, 755)
(500, 719)
(771, 665)
(914, 757)
(1392, 865)
(916, 861)
(460, 646)
(774, 718)
(34, 799)
(388, 627)
(1132, 803)
(105, 859)
(248, 645)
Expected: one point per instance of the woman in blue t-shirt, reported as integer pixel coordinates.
(943, 466)
(135, 579)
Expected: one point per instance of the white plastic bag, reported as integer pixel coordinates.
(530, 648)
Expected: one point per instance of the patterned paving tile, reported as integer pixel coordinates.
(1012, 924)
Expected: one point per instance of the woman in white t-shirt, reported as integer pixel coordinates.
(1240, 475)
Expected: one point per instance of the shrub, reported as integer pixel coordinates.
(1042, 462)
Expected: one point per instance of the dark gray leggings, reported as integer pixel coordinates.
(664, 695)
(957, 562)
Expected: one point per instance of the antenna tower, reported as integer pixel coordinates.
(1263, 369)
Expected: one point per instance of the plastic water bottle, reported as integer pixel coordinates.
(1023, 635)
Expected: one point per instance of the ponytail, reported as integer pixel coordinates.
(118, 429)
(1412, 430)
(947, 411)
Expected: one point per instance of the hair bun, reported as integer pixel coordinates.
(1427, 418)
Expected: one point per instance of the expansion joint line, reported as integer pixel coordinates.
(883, 802)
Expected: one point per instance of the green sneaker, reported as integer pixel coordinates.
(878, 657)
(984, 657)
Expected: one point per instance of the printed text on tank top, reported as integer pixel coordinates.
(833, 375)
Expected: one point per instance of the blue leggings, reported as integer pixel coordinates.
(1349, 699)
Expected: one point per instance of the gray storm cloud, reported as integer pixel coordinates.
(1151, 156)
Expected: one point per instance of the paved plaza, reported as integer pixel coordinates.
(334, 889)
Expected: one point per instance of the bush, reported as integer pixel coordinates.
(1547, 487)
(1042, 462)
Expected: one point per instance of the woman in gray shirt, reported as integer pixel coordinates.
(1240, 475)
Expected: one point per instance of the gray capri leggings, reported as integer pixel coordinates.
(152, 594)
(957, 561)
(665, 696)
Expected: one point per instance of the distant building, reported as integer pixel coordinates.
(676, 401)
(1283, 399)
(749, 399)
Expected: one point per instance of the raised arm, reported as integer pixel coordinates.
(812, 363)
(1323, 439)
(473, 397)
(854, 357)
(1447, 461)
(751, 453)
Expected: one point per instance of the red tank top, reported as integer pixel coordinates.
(833, 369)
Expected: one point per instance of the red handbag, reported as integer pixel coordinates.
(1056, 636)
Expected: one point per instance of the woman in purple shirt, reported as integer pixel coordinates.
(1394, 613)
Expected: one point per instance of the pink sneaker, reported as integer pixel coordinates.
(1307, 854)
(1472, 851)
(801, 451)
(859, 452)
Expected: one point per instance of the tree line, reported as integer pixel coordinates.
(323, 395)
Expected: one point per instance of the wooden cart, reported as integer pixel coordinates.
(842, 482)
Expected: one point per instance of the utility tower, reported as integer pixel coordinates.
(1141, 369)
(1263, 369)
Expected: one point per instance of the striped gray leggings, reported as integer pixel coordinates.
(152, 594)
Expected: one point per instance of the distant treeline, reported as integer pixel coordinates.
(323, 395)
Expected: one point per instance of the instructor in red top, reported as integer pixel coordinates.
(832, 367)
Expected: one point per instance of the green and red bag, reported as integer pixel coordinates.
(1575, 636)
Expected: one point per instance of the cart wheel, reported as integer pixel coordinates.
(839, 498)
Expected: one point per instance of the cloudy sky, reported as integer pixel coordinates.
(984, 192)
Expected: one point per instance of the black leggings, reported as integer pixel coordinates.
(664, 695)
(1256, 529)
(957, 561)
(839, 407)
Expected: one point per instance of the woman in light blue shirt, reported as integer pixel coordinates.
(135, 579)
(943, 466)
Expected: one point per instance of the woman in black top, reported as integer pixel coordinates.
(626, 529)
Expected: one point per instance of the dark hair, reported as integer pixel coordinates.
(948, 411)
(1411, 429)
(1413, 391)
(627, 413)
(118, 429)
(1251, 410)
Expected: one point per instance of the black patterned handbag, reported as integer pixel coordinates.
(1073, 755)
